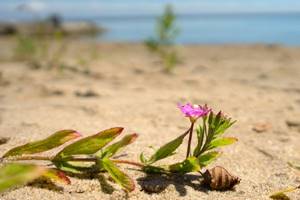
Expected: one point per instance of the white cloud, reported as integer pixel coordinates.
(33, 6)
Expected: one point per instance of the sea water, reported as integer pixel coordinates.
(266, 28)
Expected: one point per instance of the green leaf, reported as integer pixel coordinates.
(294, 165)
(223, 127)
(155, 170)
(152, 44)
(200, 137)
(191, 164)
(219, 142)
(143, 159)
(56, 175)
(207, 158)
(114, 148)
(166, 150)
(89, 145)
(217, 119)
(210, 118)
(280, 195)
(117, 175)
(12, 175)
(51, 142)
(72, 167)
(213, 123)
(218, 123)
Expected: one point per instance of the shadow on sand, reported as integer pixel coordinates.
(156, 183)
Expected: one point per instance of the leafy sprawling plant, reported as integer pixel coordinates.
(88, 155)
(92, 154)
(162, 44)
(209, 136)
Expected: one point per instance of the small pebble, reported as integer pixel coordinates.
(155, 184)
(88, 93)
(4, 140)
(292, 123)
(261, 127)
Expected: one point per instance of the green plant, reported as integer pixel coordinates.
(162, 44)
(88, 155)
(26, 48)
(57, 51)
(209, 137)
(85, 60)
(92, 154)
(42, 51)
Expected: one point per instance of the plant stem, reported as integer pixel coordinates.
(187, 132)
(93, 159)
(204, 127)
(73, 159)
(129, 163)
(188, 152)
(201, 173)
(208, 137)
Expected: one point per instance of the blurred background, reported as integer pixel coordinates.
(201, 22)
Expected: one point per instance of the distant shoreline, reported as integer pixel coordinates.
(88, 39)
(151, 16)
(185, 15)
(205, 28)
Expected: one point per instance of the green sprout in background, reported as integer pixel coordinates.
(49, 51)
(163, 43)
(42, 51)
(26, 48)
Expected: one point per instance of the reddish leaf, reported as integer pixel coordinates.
(51, 142)
(16, 174)
(114, 148)
(57, 175)
(91, 144)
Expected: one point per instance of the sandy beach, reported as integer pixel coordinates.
(258, 85)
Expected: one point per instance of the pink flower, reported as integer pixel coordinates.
(194, 111)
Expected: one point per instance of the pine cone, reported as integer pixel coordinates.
(218, 178)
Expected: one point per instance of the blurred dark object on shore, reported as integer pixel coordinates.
(49, 26)
(7, 29)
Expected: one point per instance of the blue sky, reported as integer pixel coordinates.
(83, 8)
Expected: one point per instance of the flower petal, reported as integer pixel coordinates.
(193, 111)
